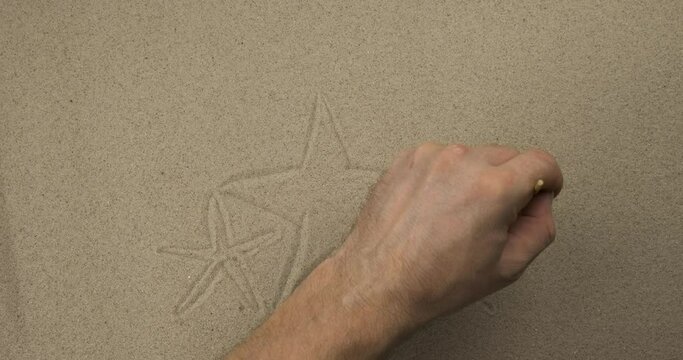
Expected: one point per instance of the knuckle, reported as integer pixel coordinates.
(449, 156)
(456, 150)
(544, 156)
(427, 147)
(425, 151)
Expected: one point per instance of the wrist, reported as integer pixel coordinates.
(328, 316)
(358, 326)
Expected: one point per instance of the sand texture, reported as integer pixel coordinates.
(169, 171)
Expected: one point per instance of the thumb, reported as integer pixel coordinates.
(533, 231)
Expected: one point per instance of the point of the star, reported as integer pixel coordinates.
(322, 112)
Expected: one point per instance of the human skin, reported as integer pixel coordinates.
(442, 228)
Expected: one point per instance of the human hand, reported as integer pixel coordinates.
(443, 227)
(447, 225)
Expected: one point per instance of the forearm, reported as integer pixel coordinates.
(316, 323)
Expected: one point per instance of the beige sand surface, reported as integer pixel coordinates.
(143, 144)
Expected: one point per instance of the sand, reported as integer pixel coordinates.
(169, 171)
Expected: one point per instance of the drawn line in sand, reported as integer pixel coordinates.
(228, 257)
(489, 307)
(321, 112)
(224, 257)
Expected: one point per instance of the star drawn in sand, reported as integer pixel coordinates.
(321, 183)
(225, 257)
(322, 180)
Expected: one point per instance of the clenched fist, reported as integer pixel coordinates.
(443, 227)
(447, 225)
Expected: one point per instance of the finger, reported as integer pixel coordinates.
(533, 231)
(529, 167)
(494, 154)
